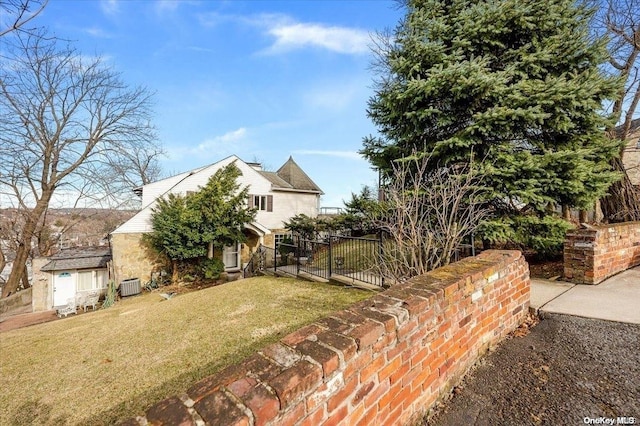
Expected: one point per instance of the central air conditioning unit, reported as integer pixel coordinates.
(130, 286)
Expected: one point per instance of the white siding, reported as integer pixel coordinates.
(286, 205)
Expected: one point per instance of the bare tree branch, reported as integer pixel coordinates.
(66, 121)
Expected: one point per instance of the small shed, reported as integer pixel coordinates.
(76, 271)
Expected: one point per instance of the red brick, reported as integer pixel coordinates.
(316, 418)
(336, 417)
(345, 345)
(388, 321)
(388, 369)
(415, 305)
(292, 416)
(171, 411)
(366, 334)
(399, 373)
(324, 356)
(358, 363)
(242, 386)
(301, 334)
(386, 399)
(376, 393)
(210, 384)
(263, 404)
(218, 408)
(296, 381)
(372, 368)
(362, 392)
(370, 417)
(342, 395)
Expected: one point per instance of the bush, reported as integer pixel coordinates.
(211, 268)
(544, 235)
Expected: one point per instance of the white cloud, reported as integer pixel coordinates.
(98, 32)
(222, 142)
(110, 7)
(351, 155)
(292, 36)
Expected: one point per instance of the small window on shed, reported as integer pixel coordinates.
(85, 280)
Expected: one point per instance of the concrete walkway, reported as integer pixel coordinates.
(615, 299)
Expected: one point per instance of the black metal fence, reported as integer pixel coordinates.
(335, 256)
(339, 257)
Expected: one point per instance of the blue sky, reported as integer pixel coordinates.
(260, 79)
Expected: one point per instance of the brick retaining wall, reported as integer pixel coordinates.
(595, 253)
(382, 361)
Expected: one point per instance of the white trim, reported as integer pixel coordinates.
(258, 228)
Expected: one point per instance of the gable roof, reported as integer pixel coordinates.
(291, 173)
(79, 258)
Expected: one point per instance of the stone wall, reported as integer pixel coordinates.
(382, 361)
(130, 259)
(595, 253)
(41, 284)
(19, 303)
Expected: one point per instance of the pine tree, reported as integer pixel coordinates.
(513, 84)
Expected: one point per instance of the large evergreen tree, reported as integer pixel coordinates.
(514, 85)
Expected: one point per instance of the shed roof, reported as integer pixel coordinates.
(79, 258)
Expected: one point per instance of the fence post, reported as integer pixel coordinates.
(297, 257)
(330, 257)
(380, 242)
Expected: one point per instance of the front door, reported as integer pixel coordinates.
(231, 257)
(64, 287)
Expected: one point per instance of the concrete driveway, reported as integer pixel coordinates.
(615, 299)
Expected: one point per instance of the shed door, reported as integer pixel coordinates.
(64, 287)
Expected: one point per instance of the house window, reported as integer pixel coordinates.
(101, 279)
(230, 257)
(278, 238)
(85, 280)
(261, 202)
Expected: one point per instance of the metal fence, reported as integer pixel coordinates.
(335, 256)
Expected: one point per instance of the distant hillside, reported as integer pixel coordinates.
(66, 227)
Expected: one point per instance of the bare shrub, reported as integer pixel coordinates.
(426, 214)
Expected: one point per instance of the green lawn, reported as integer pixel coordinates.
(100, 367)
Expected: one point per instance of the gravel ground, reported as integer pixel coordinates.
(567, 371)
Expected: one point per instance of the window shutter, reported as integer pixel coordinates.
(269, 203)
(250, 201)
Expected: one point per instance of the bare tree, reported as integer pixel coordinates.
(426, 215)
(16, 14)
(65, 120)
(620, 21)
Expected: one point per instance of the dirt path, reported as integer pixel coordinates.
(567, 371)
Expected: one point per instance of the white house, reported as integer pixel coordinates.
(277, 195)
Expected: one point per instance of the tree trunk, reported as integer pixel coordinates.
(24, 248)
(622, 204)
(174, 271)
(25, 278)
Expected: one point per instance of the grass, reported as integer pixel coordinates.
(102, 367)
(356, 254)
